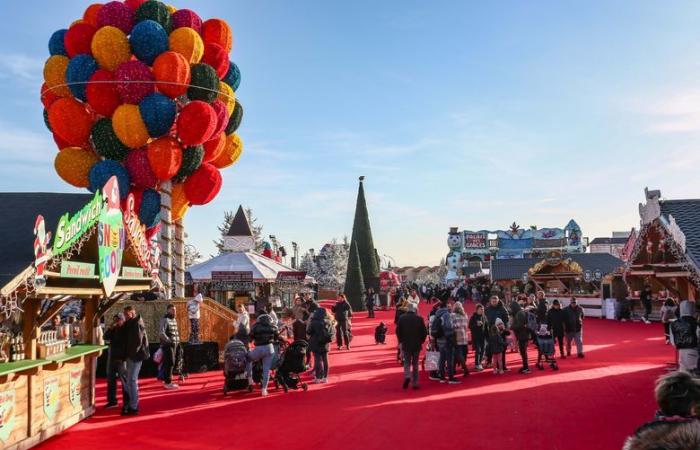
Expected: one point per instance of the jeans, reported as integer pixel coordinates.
(647, 310)
(522, 347)
(370, 311)
(342, 333)
(194, 331)
(576, 336)
(132, 382)
(168, 362)
(116, 370)
(321, 365)
(447, 358)
(410, 366)
(264, 353)
(479, 346)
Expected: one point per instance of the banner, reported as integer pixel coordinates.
(232, 281)
(111, 237)
(75, 386)
(71, 228)
(7, 414)
(52, 396)
(75, 269)
(475, 240)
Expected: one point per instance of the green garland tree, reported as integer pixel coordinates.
(354, 284)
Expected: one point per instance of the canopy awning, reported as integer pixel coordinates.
(264, 269)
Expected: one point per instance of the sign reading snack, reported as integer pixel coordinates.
(137, 234)
(75, 269)
(111, 237)
(52, 397)
(71, 228)
(74, 387)
(132, 273)
(7, 414)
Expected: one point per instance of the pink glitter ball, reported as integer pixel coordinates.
(129, 72)
(116, 14)
(187, 18)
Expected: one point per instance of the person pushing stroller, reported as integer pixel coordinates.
(263, 334)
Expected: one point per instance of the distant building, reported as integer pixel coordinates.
(611, 245)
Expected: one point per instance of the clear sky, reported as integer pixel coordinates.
(469, 114)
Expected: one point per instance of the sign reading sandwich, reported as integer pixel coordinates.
(70, 228)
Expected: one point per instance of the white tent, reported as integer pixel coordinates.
(264, 269)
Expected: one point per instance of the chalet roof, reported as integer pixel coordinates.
(513, 269)
(609, 241)
(687, 216)
(18, 211)
(240, 225)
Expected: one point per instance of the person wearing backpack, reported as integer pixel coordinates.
(320, 332)
(136, 351)
(522, 332)
(442, 330)
(685, 338)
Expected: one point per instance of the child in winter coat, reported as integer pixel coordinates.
(497, 344)
(380, 333)
(545, 348)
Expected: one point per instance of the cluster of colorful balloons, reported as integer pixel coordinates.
(139, 90)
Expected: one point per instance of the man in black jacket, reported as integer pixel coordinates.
(555, 324)
(573, 325)
(411, 333)
(521, 331)
(263, 334)
(135, 351)
(496, 310)
(116, 365)
(343, 314)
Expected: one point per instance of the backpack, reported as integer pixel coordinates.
(532, 322)
(326, 334)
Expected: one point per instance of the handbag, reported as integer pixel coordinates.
(158, 356)
(432, 361)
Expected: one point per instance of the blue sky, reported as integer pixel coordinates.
(459, 113)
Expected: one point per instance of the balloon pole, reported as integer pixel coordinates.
(166, 239)
(179, 250)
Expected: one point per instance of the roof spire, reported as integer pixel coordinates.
(240, 225)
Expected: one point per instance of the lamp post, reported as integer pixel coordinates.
(295, 255)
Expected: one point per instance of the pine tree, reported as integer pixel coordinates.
(226, 224)
(332, 263)
(354, 284)
(362, 239)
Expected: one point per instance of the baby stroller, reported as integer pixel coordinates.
(545, 345)
(291, 364)
(235, 360)
(280, 347)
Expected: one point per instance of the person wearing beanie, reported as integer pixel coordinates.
(555, 323)
(496, 310)
(411, 333)
(497, 345)
(684, 337)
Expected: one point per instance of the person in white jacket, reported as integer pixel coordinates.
(414, 298)
(193, 307)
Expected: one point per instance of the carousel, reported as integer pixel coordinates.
(242, 276)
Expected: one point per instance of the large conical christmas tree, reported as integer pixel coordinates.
(362, 240)
(354, 284)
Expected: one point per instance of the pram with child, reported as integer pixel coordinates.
(545, 348)
(291, 363)
(235, 360)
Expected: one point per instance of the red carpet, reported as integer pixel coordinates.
(590, 403)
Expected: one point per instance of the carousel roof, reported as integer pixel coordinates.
(263, 268)
(18, 211)
(687, 216)
(513, 269)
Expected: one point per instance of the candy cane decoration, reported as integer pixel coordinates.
(179, 250)
(166, 239)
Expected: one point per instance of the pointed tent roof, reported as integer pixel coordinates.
(240, 225)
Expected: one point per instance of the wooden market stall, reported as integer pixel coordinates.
(98, 255)
(666, 254)
(560, 276)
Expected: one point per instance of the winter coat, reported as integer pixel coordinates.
(264, 331)
(542, 311)
(342, 311)
(479, 332)
(193, 306)
(496, 312)
(668, 435)
(169, 333)
(497, 343)
(411, 332)
(399, 312)
(460, 324)
(319, 329)
(519, 326)
(117, 343)
(645, 297)
(573, 319)
(135, 339)
(668, 313)
(555, 321)
(444, 316)
(684, 333)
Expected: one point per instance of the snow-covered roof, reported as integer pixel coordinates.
(263, 268)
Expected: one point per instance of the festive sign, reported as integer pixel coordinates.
(132, 273)
(41, 249)
(74, 386)
(111, 237)
(7, 414)
(475, 240)
(136, 231)
(297, 277)
(232, 281)
(231, 275)
(71, 228)
(75, 269)
(51, 397)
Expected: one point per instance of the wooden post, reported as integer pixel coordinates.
(30, 330)
(179, 250)
(166, 238)
(90, 319)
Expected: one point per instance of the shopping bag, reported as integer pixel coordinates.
(432, 361)
(158, 356)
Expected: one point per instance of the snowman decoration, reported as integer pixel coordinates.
(454, 257)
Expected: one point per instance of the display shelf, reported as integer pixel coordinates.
(75, 352)
(19, 366)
